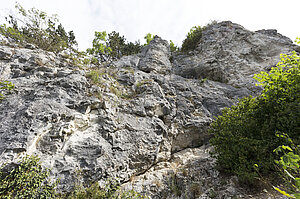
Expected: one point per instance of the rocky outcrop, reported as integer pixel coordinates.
(144, 122)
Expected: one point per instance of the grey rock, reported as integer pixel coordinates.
(228, 53)
(155, 57)
(5, 53)
(145, 122)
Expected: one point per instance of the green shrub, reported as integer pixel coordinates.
(112, 46)
(131, 48)
(148, 37)
(5, 85)
(35, 27)
(173, 48)
(244, 133)
(289, 164)
(192, 39)
(120, 47)
(112, 190)
(26, 180)
(100, 49)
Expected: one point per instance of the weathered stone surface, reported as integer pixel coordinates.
(146, 120)
(230, 54)
(155, 57)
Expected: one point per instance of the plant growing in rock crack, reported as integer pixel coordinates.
(102, 78)
(212, 193)
(173, 184)
(143, 82)
(173, 180)
(115, 90)
(28, 179)
(5, 85)
(195, 189)
(202, 81)
(111, 190)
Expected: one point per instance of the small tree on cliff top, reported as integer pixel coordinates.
(36, 27)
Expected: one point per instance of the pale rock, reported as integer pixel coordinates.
(145, 123)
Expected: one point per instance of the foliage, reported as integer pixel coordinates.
(108, 47)
(112, 190)
(244, 134)
(5, 85)
(131, 48)
(289, 163)
(192, 39)
(116, 43)
(148, 37)
(27, 180)
(173, 48)
(194, 35)
(119, 46)
(37, 28)
(100, 50)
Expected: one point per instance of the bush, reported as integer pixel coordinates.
(192, 39)
(173, 48)
(112, 190)
(100, 50)
(148, 37)
(244, 134)
(289, 164)
(5, 85)
(27, 179)
(38, 29)
(119, 47)
(112, 46)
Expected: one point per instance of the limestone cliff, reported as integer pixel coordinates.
(145, 122)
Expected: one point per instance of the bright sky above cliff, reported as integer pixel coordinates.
(170, 19)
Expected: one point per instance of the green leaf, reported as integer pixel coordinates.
(287, 148)
(297, 182)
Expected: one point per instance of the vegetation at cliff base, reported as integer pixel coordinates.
(289, 165)
(244, 135)
(27, 179)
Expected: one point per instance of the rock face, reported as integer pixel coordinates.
(144, 122)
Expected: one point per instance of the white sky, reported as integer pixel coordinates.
(170, 19)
